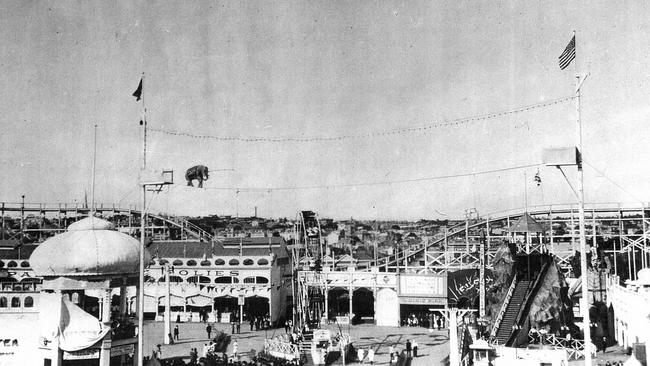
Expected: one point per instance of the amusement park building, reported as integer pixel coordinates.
(209, 278)
(64, 302)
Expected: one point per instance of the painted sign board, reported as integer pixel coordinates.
(423, 285)
(84, 354)
(125, 349)
(415, 300)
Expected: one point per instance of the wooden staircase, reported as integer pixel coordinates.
(516, 302)
(305, 345)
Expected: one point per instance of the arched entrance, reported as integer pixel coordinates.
(338, 302)
(363, 305)
(226, 307)
(256, 306)
(256, 312)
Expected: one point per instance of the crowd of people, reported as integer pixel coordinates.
(218, 352)
(426, 320)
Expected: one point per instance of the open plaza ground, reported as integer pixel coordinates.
(433, 347)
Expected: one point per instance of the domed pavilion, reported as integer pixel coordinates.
(84, 317)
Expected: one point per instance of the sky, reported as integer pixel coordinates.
(322, 69)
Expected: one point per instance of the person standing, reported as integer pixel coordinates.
(371, 356)
(238, 325)
(232, 326)
(208, 330)
(235, 348)
(415, 348)
(408, 348)
(176, 333)
(391, 350)
(360, 355)
(251, 321)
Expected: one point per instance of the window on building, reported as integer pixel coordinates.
(248, 262)
(233, 262)
(3, 302)
(12, 264)
(219, 262)
(24, 264)
(224, 279)
(29, 301)
(263, 262)
(15, 302)
(162, 261)
(260, 279)
(191, 262)
(178, 262)
(206, 263)
(249, 280)
(175, 279)
(199, 279)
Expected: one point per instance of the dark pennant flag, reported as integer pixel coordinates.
(138, 92)
(569, 54)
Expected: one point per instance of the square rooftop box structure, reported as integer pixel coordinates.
(560, 156)
(156, 177)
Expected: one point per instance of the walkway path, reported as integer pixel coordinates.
(433, 346)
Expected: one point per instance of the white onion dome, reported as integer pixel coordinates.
(90, 246)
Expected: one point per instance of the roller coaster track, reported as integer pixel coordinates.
(58, 215)
(630, 224)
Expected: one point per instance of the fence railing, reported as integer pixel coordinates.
(282, 349)
(575, 348)
(504, 306)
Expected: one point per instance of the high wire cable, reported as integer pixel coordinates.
(613, 182)
(365, 184)
(398, 131)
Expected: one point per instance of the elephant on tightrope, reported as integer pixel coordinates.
(198, 172)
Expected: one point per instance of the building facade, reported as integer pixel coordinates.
(220, 281)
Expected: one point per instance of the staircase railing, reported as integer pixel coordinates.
(465, 339)
(524, 310)
(504, 306)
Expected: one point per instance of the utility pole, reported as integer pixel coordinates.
(140, 352)
(584, 305)
(141, 279)
(92, 192)
(22, 217)
(579, 193)
(481, 284)
(168, 326)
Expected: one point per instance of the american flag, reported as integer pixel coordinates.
(569, 54)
